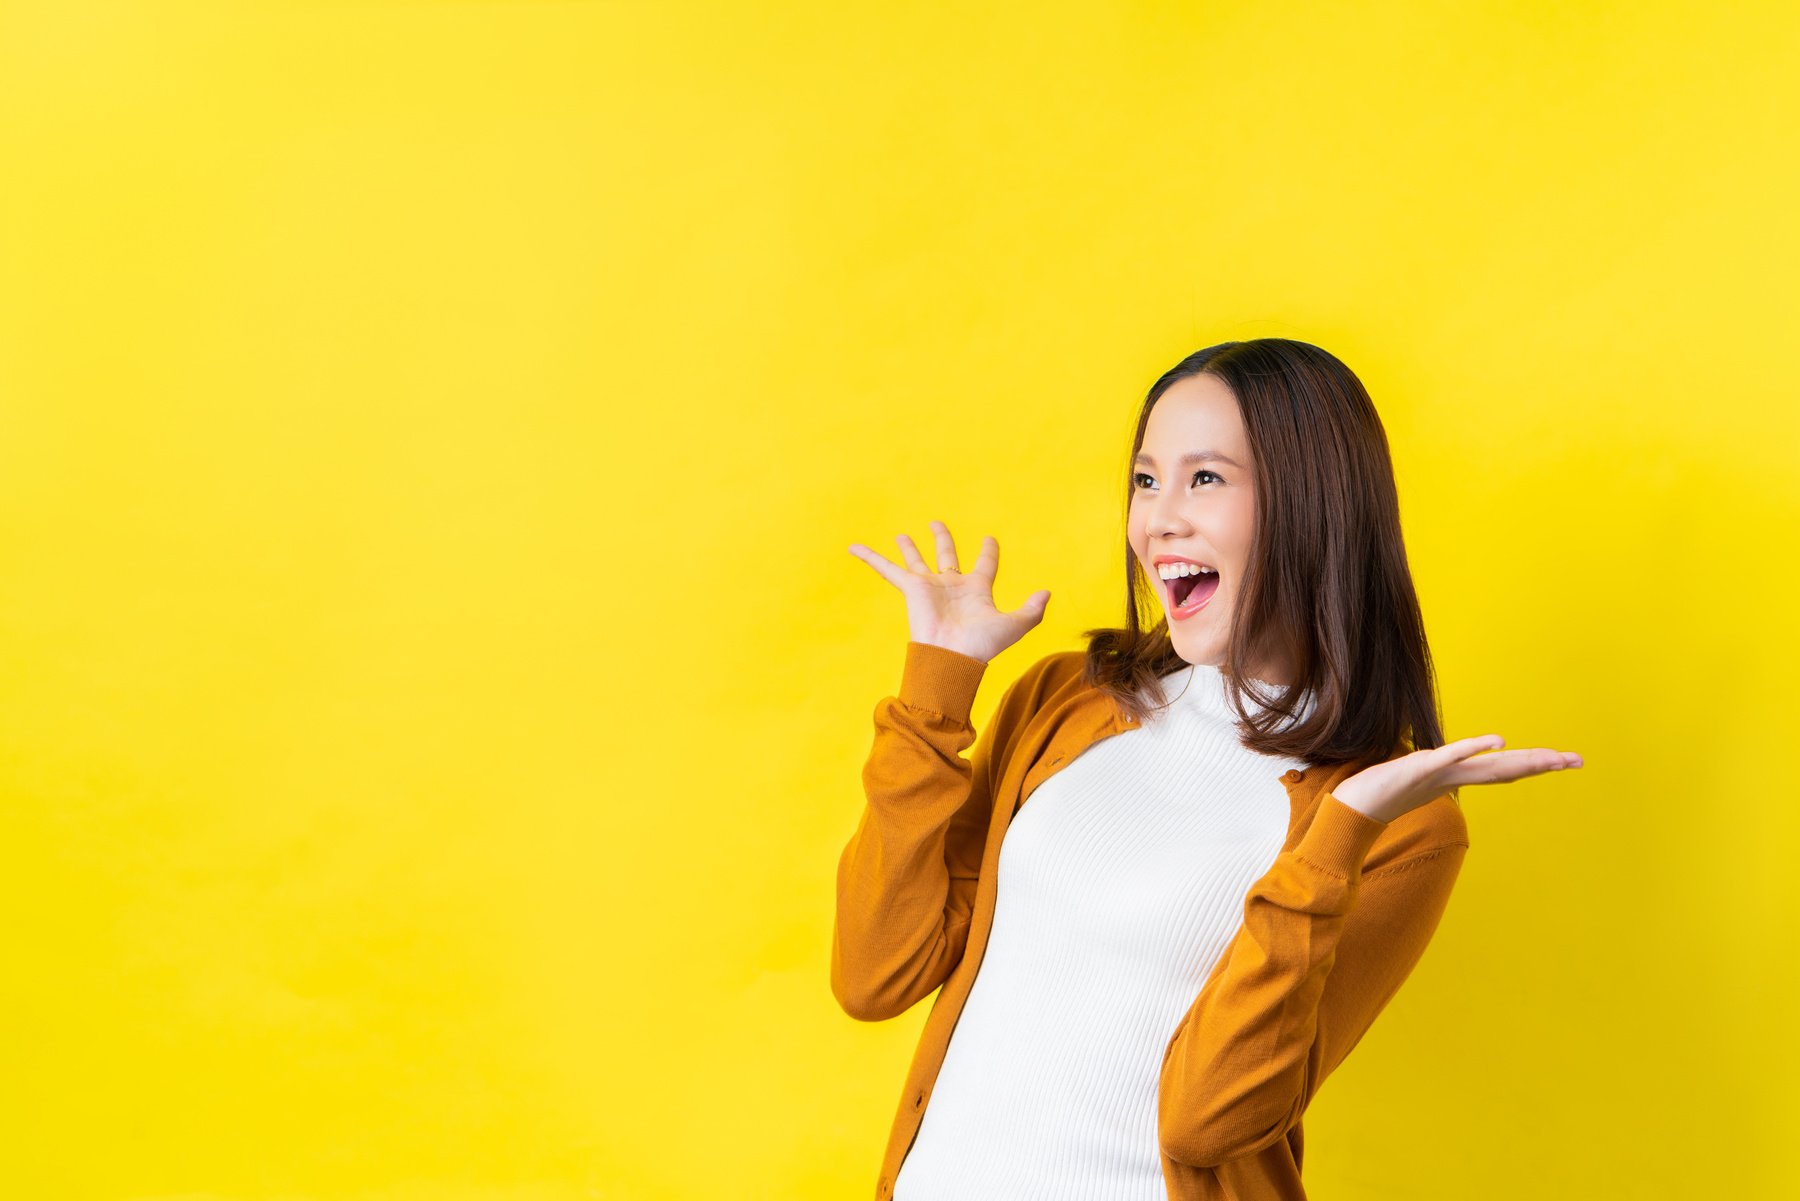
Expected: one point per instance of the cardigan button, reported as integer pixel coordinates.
(1292, 774)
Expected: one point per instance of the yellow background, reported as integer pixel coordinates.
(435, 683)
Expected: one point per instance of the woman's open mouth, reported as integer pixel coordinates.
(1189, 594)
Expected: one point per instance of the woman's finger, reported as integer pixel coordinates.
(987, 563)
(1464, 748)
(946, 547)
(1505, 766)
(914, 559)
(890, 571)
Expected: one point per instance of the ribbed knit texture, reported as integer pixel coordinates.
(1121, 881)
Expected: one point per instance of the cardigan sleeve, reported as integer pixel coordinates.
(906, 880)
(1322, 949)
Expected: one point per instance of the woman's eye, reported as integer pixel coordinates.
(1140, 476)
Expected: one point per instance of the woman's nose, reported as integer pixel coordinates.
(1165, 517)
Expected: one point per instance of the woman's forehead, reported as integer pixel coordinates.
(1197, 413)
(1190, 445)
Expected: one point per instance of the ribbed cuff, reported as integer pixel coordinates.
(1339, 838)
(940, 681)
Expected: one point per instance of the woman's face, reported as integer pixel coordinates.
(1193, 498)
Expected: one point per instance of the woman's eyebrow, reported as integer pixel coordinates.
(1192, 456)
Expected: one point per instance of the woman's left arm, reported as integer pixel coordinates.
(1323, 948)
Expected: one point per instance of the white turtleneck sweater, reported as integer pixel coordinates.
(1121, 881)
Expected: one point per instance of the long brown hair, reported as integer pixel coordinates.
(1327, 588)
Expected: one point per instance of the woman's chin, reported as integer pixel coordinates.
(1194, 646)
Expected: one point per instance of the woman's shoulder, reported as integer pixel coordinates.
(1054, 673)
(1063, 666)
(1045, 683)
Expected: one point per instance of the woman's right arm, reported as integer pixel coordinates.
(906, 881)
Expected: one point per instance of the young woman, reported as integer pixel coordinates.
(1243, 825)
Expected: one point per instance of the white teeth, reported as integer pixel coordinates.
(1174, 571)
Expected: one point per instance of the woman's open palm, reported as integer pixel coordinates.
(949, 608)
(1387, 790)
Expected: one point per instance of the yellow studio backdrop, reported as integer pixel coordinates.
(435, 685)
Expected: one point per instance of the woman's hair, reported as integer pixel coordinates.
(1327, 588)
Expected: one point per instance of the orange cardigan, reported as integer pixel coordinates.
(1330, 932)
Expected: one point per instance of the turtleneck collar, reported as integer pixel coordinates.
(1200, 687)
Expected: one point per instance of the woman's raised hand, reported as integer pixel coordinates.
(950, 609)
